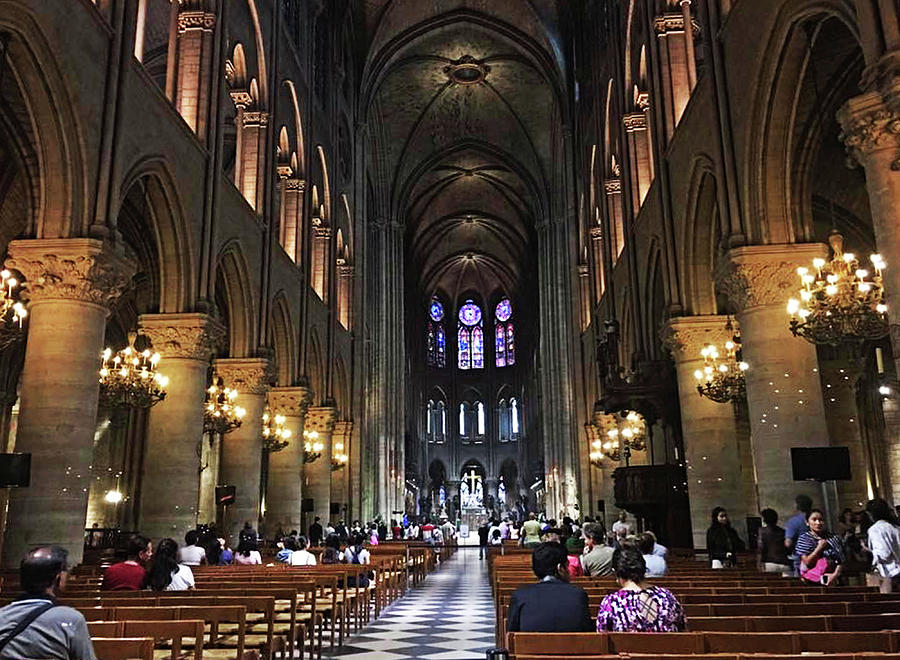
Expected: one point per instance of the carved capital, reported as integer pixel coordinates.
(582, 270)
(685, 336)
(761, 275)
(635, 121)
(321, 419)
(613, 186)
(345, 270)
(241, 98)
(868, 126)
(284, 171)
(597, 232)
(188, 336)
(291, 401)
(246, 375)
(672, 22)
(642, 100)
(322, 232)
(196, 20)
(343, 431)
(295, 185)
(81, 269)
(256, 118)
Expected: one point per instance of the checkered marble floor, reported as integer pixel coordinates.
(449, 617)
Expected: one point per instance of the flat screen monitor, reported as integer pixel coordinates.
(820, 463)
(15, 470)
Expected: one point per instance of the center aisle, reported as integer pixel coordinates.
(449, 617)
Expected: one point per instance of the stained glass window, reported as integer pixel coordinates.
(428, 413)
(440, 344)
(436, 310)
(514, 416)
(462, 420)
(442, 496)
(504, 335)
(470, 337)
(480, 418)
(435, 339)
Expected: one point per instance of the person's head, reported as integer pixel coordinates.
(554, 535)
(594, 536)
(816, 521)
(531, 515)
(247, 545)
(770, 517)
(290, 543)
(330, 556)
(496, 534)
(165, 562)
(623, 516)
(645, 543)
(140, 548)
(247, 525)
(43, 571)
(879, 509)
(317, 519)
(358, 539)
(550, 559)
(719, 517)
(804, 503)
(191, 537)
(628, 564)
(574, 545)
(847, 516)
(302, 542)
(333, 541)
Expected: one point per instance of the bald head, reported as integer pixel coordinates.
(43, 570)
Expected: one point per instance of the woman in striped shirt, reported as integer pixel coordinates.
(821, 552)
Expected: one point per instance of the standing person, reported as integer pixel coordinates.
(531, 532)
(795, 526)
(821, 552)
(166, 574)
(722, 542)
(130, 575)
(248, 533)
(396, 531)
(597, 561)
(551, 605)
(316, 532)
(773, 556)
(192, 554)
(638, 606)
(483, 532)
(884, 543)
(34, 626)
(247, 553)
(622, 528)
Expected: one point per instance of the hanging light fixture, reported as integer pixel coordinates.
(129, 378)
(12, 311)
(722, 377)
(339, 458)
(601, 446)
(221, 414)
(841, 303)
(312, 446)
(275, 434)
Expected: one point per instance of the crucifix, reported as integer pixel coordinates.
(473, 478)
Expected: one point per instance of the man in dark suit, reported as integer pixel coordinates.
(551, 605)
(316, 532)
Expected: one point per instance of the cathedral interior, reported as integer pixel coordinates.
(361, 259)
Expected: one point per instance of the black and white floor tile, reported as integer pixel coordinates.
(449, 617)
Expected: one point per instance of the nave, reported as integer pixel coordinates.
(448, 617)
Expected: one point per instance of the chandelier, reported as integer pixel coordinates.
(220, 413)
(339, 458)
(275, 434)
(618, 435)
(722, 378)
(312, 446)
(129, 378)
(839, 304)
(12, 311)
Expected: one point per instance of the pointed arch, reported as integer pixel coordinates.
(233, 274)
(326, 185)
(298, 129)
(282, 340)
(260, 55)
(342, 396)
(701, 232)
(315, 367)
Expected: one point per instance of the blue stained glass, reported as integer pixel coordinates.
(503, 310)
(500, 346)
(510, 345)
(442, 496)
(465, 354)
(470, 314)
(477, 348)
(436, 310)
(441, 344)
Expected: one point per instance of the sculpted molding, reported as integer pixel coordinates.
(188, 336)
(321, 419)
(291, 401)
(247, 375)
(685, 336)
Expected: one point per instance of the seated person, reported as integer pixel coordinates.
(658, 549)
(192, 554)
(247, 552)
(226, 554)
(129, 575)
(656, 565)
(574, 549)
(288, 546)
(597, 560)
(773, 556)
(166, 574)
(48, 630)
(302, 556)
(638, 606)
(821, 552)
(551, 605)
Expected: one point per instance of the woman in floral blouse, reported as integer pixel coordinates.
(638, 606)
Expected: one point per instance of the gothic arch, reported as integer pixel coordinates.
(342, 389)
(326, 185)
(283, 333)
(298, 129)
(700, 232)
(232, 266)
(315, 367)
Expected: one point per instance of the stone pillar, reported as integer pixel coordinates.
(70, 284)
(584, 286)
(321, 240)
(677, 66)
(599, 263)
(639, 153)
(345, 290)
(712, 457)
(339, 482)
(209, 477)
(317, 475)
(241, 463)
(195, 51)
(613, 189)
(292, 225)
(784, 394)
(284, 496)
(170, 479)
(871, 134)
(252, 135)
(242, 100)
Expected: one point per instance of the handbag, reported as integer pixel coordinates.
(817, 572)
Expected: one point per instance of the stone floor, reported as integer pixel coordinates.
(449, 617)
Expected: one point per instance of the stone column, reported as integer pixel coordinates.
(339, 482)
(599, 263)
(613, 190)
(241, 463)
(677, 65)
(252, 135)
(784, 393)
(284, 496)
(584, 286)
(321, 239)
(639, 154)
(871, 134)
(195, 50)
(712, 457)
(170, 480)
(70, 285)
(292, 229)
(317, 475)
(345, 288)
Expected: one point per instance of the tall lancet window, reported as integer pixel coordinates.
(504, 335)
(435, 339)
(470, 337)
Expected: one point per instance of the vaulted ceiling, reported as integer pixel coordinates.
(463, 106)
